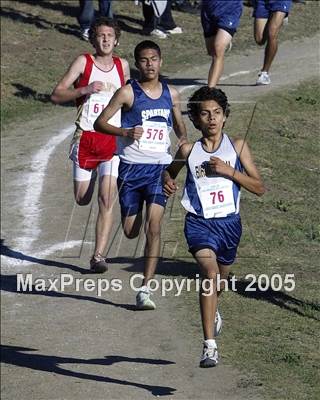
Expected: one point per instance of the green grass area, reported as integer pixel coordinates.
(40, 39)
(273, 335)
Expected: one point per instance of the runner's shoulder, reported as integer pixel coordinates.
(173, 91)
(124, 62)
(79, 62)
(240, 145)
(125, 93)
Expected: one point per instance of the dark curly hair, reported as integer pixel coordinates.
(203, 94)
(104, 21)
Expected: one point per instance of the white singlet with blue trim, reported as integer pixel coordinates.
(206, 194)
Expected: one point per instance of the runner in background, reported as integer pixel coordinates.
(95, 77)
(268, 16)
(220, 20)
(87, 13)
(217, 168)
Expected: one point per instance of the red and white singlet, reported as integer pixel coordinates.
(88, 147)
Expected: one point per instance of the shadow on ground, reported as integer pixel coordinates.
(9, 283)
(39, 22)
(17, 255)
(278, 298)
(23, 357)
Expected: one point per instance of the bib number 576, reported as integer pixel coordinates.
(152, 133)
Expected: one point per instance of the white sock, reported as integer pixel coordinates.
(144, 288)
(210, 343)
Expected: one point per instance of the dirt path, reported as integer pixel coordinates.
(74, 344)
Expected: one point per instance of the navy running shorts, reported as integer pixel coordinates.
(220, 15)
(138, 183)
(263, 8)
(222, 235)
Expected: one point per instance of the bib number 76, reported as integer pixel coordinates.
(217, 196)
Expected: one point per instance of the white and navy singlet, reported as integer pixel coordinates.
(206, 194)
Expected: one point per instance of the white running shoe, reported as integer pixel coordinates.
(143, 300)
(210, 356)
(85, 34)
(217, 324)
(263, 78)
(174, 31)
(159, 34)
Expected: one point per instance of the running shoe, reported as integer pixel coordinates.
(98, 264)
(85, 34)
(159, 34)
(263, 78)
(209, 356)
(143, 300)
(217, 324)
(174, 31)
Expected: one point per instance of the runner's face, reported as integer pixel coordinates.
(149, 64)
(105, 40)
(211, 118)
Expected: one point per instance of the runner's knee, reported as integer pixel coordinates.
(260, 40)
(218, 51)
(131, 232)
(210, 274)
(82, 200)
(273, 32)
(152, 229)
(105, 202)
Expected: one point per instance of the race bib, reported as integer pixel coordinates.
(154, 137)
(97, 103)
(217, 198)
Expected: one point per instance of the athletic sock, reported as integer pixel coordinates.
(144, 288)
(210, 343)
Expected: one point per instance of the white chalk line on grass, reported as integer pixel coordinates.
(223, 78)
(34, 184)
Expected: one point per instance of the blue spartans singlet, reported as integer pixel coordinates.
(155, 115)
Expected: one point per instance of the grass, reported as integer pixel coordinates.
(271, 334)
(274, 334)
(40, 39)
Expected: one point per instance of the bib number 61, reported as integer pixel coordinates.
(98, 108)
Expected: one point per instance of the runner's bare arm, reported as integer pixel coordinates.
(251, 179)
(126, 69)
(178, 123)
(123, 97)
(63, 92)
(171, 172)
